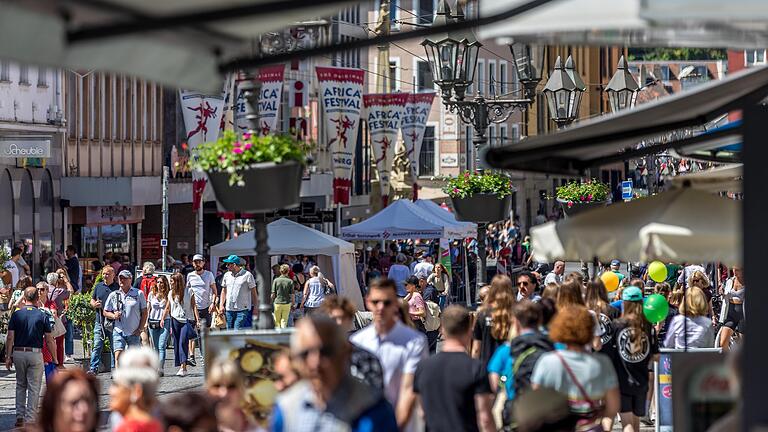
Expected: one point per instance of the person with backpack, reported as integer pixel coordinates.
(513, 362)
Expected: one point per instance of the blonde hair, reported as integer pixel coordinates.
(224, 372)
(699, 280)
(501, 298)
(695, 303)
(284, 269)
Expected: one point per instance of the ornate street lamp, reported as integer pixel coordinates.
(443, 54)
(622, 88)
(562, 95)
(577, 81)
(529, 62)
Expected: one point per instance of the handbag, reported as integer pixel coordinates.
(153, 323)
(589, 422)
(57, 326)
(108, 324)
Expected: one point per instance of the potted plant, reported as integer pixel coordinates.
(576, 197)
(83, 316)
(251, 173)
(480, 197)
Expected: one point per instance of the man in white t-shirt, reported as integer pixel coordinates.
(238, 293)
(203, 285)
(12, 266)
(424, 267)
(556, 275)
(398, 347)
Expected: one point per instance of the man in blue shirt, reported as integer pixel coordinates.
(99, 296)
(328, 398)
(27, 328)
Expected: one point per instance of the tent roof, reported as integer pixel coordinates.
(679, 23)
(402, 220)
(176, 42)
(612, 137)
(469, 228)
(724, 178)
(286, 237)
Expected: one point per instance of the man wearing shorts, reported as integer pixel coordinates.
(128, 308)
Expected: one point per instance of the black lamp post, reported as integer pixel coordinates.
(622, 88)
(563, 96)
(529, 62)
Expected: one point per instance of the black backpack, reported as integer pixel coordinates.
(522, 369)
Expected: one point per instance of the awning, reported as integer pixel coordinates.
(614, 137)
(689, 23)
(727, 178)
(175, 42)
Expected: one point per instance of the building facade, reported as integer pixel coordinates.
(31, 162)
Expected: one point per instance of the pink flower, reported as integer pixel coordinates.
(589, 197)
(466, 174)
(238, 144)
(246, 136)
(222, 158)
(570, 204)
(237, 150)
(583, 198)
(248, 146)
(455, 190)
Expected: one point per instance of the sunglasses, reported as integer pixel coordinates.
(323, 351)
(385, 302)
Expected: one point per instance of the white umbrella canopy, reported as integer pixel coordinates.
(726, 178)
(180, 55)
(681, 225)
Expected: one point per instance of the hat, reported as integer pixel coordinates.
(125, 274)
(232, 259)
(616, 263)
(632, 293)
(198, 257)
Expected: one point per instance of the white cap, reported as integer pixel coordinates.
(198, 257)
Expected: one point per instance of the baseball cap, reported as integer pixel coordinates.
(615, 263)
(198, 257)
(232, 259)
(632, 293)
(125, 274)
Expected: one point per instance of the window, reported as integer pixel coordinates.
(5, 71)
(394, 74)
(423, 77)
(664, 73)
(480, 78)
(754, 57)
(425, 11)
(492, 82)
(503, 77)
(427, 155)
(491, 135)
(24, 74)
(503, 134)
(42, 77)
(515, 133)
(394, 14)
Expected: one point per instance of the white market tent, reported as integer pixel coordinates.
(404, 220)
(470, 229)
(290, 238)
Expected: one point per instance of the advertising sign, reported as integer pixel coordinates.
(413, 124)
(384, 112)
(341, 97)
(271, 78)
(23, 147)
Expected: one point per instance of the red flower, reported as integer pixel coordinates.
(570, 204)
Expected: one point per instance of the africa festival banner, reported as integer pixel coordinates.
(271, 78)
(412, 125)
(384, 112)
(341, 91)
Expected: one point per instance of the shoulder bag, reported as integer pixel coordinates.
(108, 324)
(591, 421)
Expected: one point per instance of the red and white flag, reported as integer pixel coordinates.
(412, 125)
(341, 92)
(271, 78)
(384, 112)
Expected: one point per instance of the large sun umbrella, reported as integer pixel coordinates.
(682, 225)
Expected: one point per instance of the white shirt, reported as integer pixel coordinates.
(11, 266)
(423, 269)
(553, 278)
(688, 272)
(201, 286)
(238, 290)
(399, 352)
(182, 310)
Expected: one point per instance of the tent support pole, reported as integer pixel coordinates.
(481, 256)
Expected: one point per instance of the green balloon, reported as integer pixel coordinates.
(655, 308)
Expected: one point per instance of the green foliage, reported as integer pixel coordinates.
(83, 316)
(650, 54)
(575, 192)
(233, 153)
(469, 184)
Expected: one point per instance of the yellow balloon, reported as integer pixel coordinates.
(657, 271)
(610, 280)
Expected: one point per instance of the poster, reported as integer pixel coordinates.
(341, 92)
(445, 255)
(384, 112)
(413, 123)
(271, 78)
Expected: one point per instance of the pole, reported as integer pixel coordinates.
(251, 90)
(200, 228)
(467, 291)
(164, 241)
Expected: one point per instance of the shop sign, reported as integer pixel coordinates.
(11, 147)
(109, 215)
(449, 160)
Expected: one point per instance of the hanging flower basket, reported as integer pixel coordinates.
(577, 197)
(480, 197)
(253, 173)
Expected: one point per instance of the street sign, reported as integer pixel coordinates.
(626, 190)
(163, 242)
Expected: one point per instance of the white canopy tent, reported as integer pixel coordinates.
(468, 228)
(404, 220)
(726, 178)
(290, 238)
(682, 225)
